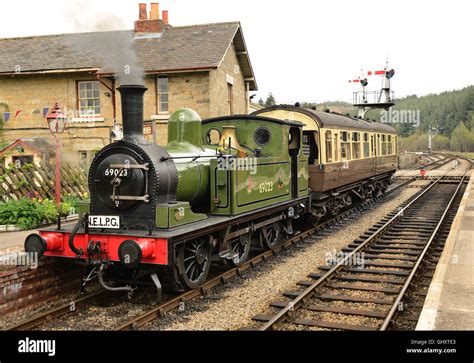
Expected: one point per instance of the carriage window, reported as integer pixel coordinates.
(336, 149)
(389, 145)
(384, 145)
(366, 145)
(328, 147)
(355, 145)
(345, 146)
(395, 144)
(310, 147)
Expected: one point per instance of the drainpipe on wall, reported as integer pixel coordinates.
(247, 96)
(114, 107)
(112, 90)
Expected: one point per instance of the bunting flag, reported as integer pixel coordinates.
(6, 116)
(45, 111)
(17, 113)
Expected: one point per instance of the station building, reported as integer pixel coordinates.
(204, 67)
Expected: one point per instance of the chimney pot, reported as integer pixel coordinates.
(165, 17)
(142, 11)
(155, 11)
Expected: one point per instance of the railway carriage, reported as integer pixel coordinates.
(221, 186)
(347, 157)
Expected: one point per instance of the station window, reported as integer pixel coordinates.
(366, 145)
(89, 98)
(163, 100)
(355, 145)
(328, 140)
(345, 146)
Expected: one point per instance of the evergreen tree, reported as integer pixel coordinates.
(270, 100)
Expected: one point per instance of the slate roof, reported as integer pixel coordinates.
(177, 49)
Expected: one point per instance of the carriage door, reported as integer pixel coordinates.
(294, 142)
(373, 153)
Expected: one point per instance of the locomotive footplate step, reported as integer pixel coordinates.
(159, 290)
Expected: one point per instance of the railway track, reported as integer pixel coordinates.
(366, 285)
(303, 237)
(178, 301)
(436, 164)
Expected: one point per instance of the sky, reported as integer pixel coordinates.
(301, 50)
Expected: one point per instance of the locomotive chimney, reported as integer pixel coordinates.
(132, 112)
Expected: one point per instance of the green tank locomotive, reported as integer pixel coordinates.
(219, 187)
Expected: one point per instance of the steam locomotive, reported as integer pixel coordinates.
(221, 186)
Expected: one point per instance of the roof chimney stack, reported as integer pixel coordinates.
(153, 24)
(155, 11)
(142, 11)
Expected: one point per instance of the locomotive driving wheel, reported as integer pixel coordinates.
(271, 235)
(193, 261)
(241, 246)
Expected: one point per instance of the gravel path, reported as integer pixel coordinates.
(232, 307)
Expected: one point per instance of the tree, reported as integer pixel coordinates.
(441, 142)
(462, 139)
(270, 100)
(260, 102)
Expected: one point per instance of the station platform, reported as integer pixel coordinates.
(449, 304)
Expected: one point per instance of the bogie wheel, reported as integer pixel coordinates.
(241, 246)
(271, 235)
(193, 261)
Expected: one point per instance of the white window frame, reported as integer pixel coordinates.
(159, 94)
(80, 97)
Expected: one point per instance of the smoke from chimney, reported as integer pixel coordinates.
(113, 51)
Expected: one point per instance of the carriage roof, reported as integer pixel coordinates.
(329, 119)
